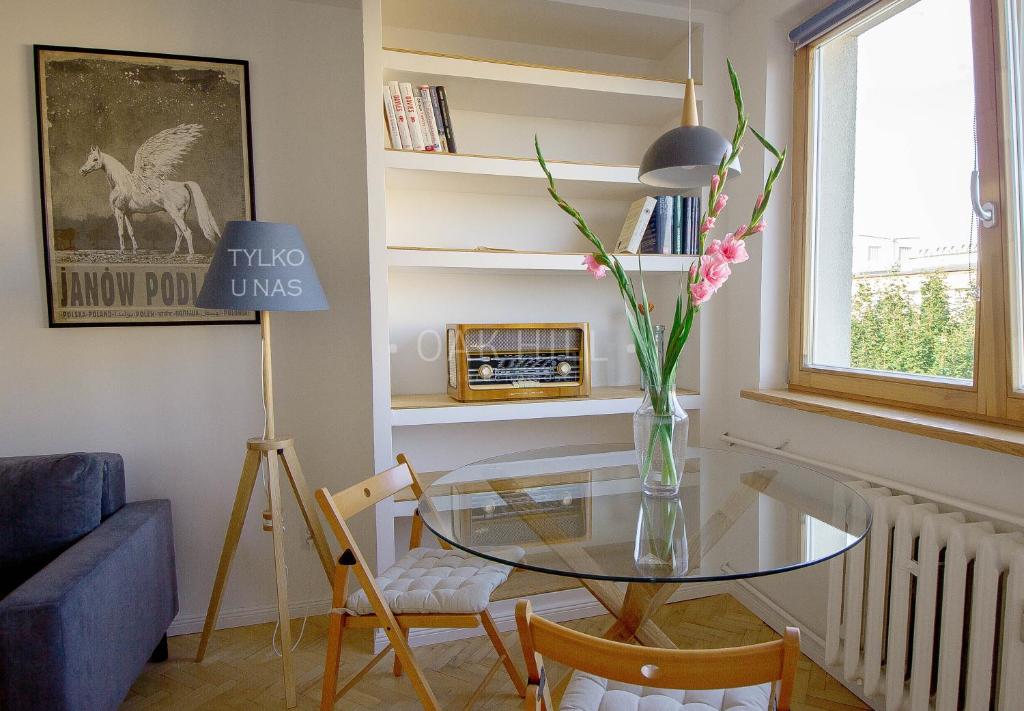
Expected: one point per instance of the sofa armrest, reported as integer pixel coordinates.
(76, 635)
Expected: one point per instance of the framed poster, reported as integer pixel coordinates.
(142, 158)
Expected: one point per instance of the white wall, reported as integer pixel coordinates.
(755, 324)
(179, 402)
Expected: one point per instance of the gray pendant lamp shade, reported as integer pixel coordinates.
(688, 155)
(261, 266)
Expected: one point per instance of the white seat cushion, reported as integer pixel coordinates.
(432, 581)
(587, 692)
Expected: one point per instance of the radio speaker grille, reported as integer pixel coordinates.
(508, 340)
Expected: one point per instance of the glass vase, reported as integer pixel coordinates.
(660, 429)
(661, 547)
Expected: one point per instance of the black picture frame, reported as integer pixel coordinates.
(239, 67)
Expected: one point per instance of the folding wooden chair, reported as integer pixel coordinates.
(612, 675)
(426, 588)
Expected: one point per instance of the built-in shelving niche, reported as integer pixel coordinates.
(474, 237)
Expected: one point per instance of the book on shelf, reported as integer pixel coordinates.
(446, 117)
(633, 229)
(411, 111)
(417, 118)
(677, 224)
(421, 113)
(438, 119)
(391, 120)
(404, 140)
(663, 224)
(692, 228)
(649, 242)
(673, 226)
(429, 122)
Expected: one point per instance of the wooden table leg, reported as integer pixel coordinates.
(632, 610)
(640, 602)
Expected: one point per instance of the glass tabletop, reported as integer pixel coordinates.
(578, 511)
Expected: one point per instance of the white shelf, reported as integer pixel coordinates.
(492, 86)
(412, 410)
(502, 262)
(469, 173)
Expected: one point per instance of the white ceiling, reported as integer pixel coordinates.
(555, 24)
(723, 6)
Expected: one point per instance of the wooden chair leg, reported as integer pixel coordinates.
(396, 668)
(517, 681)
(419, 682)
(335, 630)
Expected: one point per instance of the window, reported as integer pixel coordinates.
(904, 294)
(1014, 90)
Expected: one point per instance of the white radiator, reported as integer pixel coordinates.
(928, 613)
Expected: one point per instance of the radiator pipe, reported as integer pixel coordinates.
(979, 509)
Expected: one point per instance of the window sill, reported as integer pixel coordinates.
(973, 433)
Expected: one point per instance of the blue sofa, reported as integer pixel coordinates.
(87, 583)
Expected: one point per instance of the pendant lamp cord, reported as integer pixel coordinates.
(689, 40)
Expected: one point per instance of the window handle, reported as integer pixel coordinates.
(986, 212)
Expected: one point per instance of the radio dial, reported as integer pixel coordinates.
(485, 372)
(563, 368)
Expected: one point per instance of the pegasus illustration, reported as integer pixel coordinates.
(147, 188)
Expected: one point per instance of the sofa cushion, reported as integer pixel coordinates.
(49, 502)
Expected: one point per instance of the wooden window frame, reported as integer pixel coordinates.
(991, 396)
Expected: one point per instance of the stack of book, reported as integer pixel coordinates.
(418, 118)
(666, 224)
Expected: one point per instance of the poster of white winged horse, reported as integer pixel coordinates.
(147, 188)
(129, 233)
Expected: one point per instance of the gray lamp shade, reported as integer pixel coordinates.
(261, 266)
(685, 157)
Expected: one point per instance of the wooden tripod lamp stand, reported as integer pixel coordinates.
(264, 266)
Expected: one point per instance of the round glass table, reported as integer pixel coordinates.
(578, 511)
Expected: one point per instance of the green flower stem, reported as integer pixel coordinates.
(660, 538)
(661, 372)
(669, 474)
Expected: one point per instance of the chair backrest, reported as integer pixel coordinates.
(368, 492)
(348, 502)
(662, 668)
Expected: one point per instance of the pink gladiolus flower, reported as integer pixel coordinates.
(734, 250)
(714, 270)
(759, 227)
(714, 182)
(709, 222)
(595, 267)
(714, 247)
(760, 199)
(720, 203)
(701, 292)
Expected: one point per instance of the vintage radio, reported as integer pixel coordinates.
(518, 361)
(531, 511)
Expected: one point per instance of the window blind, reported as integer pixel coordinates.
(820, 23)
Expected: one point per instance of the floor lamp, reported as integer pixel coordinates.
(264, 267)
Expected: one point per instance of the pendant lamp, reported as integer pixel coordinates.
(688, 155)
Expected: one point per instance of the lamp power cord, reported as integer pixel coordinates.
(266, 487)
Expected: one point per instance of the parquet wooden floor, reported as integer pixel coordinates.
(241, 671)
